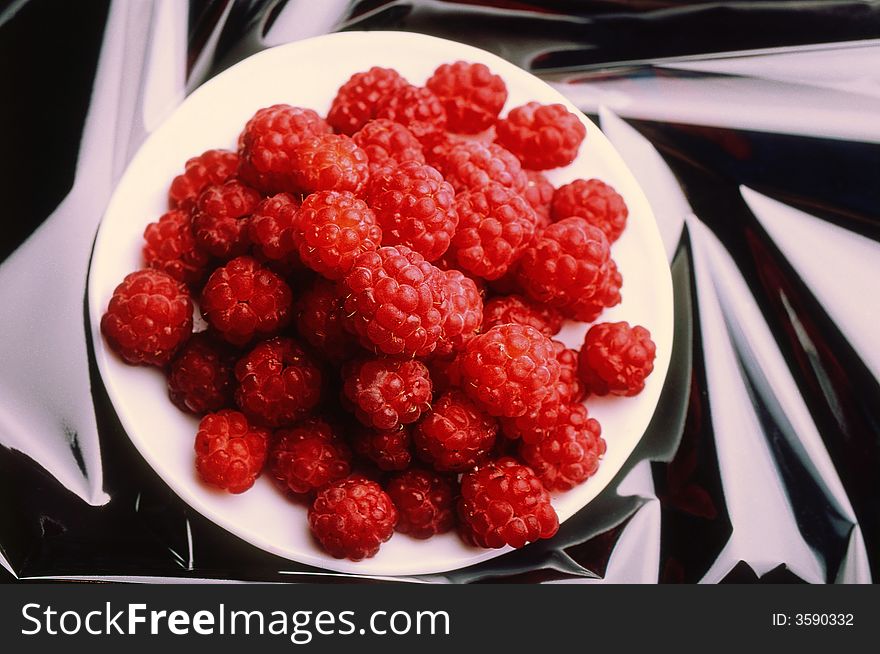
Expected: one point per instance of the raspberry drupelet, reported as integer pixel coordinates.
(535, 425)
(607, 295)
(270, 229)
(392, 297)
(207, 169)
(332, 228)
(387, 392)
(463, 315)
(388, 144)
(417, 109)
(230, 452)
(473, 165)
(308, 456)
(415, 207)
(388, 449)
(495, 226)
(471, 94)
(357, 100)
(318, 317)
(266, 145)
(570, 386)
(539, 194)
(425, 502)
(616, 358)
(503, 309)
(351, 518)
(244, 299)
(456, 435)
(594, 201)
(278, 383)
(169, 246)
(200, 376)
(149, 317)
(541, 136)
(504, 503)
(329, 162)
(221, 216)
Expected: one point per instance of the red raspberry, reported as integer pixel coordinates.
(200, 377)
(220, 218)
(149, 317)
(539, 194)
(456, 435)
(230, 453)
(357, 100)
(542, 136)
(332, 228)
(504, 309)
(392, 300)
(417, 109)
(388, 144)
(278, 383)
(534, 426)
(351, 518)
(570, 454)
(471, 94)
(388, 449)
(425, 502)
(308, 456)
(209, 168)
(594, 201)
(171, 247)
(329, 162)
(266, 145)
(509, 370)
(464, 313)
(564, 264)
(415, 208)
(385, 392)
(607, 295)
(495, 225)
(318, 315)
(270, 229)
(616, 358)
(503, 503)
(471, 165)
(570, 387)
(244, 299)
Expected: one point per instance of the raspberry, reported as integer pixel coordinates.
(351, 518)
(616, 358)
(417, 109)
(230, 453)
(220, 218)
(539, 194)
(270, 229)
(594, 201)
(392, 300)
(388, 144)
(318, 316)
(171, 247)
(207, 169)
(266, 145)
(278, 383)
(329, 162)
(564, 264)
(495, 225)
(149, 317)
(464, 313)
(356, 102)
(308, 456)
(386, 393)
(569, 386)
(504, 309)
(509, 370)
(244, 299)
(332, 228)
(534, 426)
(200, 376)
(473, 165)
(456, 435)
(570, 454)
(415, 208)
(542, 136)
(425, 502)
(388, 449)
(504, 503)
(607, 295)
(471, 95)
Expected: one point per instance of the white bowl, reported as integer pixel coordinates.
(308, 73)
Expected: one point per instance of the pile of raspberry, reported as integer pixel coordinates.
(382, 289)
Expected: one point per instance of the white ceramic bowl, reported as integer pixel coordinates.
(308, 73)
